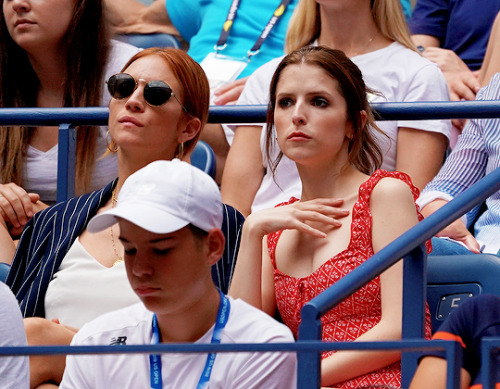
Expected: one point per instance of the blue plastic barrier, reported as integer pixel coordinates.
(408, 246)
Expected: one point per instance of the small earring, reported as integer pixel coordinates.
(180, 151)
(111, 145)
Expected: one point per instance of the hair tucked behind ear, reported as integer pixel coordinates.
(364, 153)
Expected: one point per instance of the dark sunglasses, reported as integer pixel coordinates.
(156, 93)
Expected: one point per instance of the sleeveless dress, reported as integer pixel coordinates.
(361, 311)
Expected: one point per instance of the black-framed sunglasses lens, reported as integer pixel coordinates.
(122, 85)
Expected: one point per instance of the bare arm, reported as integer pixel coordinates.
(491, 62)
(420, 154)
(463, 84)
(214, 135)
(11, 229)
(133, 17)
(253, 275)
(243, 171)
(431, 373)
(393, 213)
(123, 12)
(456, 230)
(425, 40)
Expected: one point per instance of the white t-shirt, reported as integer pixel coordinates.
(83, 289)
(133, 325)
(397, 72)
(40, 168)
(14, 371)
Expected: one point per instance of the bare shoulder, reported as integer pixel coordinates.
(391, 191)
(393, 211)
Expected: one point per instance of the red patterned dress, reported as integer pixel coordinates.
(358, 313)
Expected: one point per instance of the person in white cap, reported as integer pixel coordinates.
(169, 214)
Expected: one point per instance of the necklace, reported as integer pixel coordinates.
(365, 48)
(118, 257)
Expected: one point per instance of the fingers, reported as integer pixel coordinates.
(230, 92)
(34, 197)
(471, 81)
(230, 97)
(471, 243)
(15, 205)
(459, 124)
(462, 91)
(311, 217)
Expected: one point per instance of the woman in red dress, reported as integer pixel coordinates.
(347, 212)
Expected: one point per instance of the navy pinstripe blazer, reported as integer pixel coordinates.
(50, 233)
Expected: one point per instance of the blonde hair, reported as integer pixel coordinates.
(305, 23)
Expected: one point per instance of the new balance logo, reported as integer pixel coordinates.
(121, 340)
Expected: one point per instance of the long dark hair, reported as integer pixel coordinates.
(87, 44)
(364, 153)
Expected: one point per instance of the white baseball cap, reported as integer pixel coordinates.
(164, 197)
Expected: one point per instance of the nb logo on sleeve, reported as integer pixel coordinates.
(121, 340)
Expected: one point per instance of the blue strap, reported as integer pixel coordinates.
(220, 323)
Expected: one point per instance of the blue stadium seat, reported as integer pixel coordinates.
(4, 270)
(203, 158)
(453, 279)
(149, 40)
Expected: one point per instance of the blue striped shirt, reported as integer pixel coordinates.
(476, 154)
(50, 233)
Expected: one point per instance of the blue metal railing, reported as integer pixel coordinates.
(408, 246)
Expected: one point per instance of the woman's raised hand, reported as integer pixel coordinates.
(16, 205)
(311, 217)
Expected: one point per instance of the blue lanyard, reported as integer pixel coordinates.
(155, 359)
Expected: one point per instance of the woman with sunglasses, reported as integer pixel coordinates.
(52, 54)
(60, 271)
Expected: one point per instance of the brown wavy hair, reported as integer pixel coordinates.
(87, 44)
(364, 152)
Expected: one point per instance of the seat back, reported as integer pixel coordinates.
(203, 158)
(4, 271)
(149, 40)
(453, 279)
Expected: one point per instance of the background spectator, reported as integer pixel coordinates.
(14, 371)
(477, 318)
(454, 34)
(475, 155)
(53, 54)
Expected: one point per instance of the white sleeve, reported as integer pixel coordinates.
(269, 370)
(255, 92)
(428, 84)
(14, 371)
(80, 369)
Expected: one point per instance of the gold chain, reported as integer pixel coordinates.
(118, 257)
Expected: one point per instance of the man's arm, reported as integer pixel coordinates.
(425, 40)
(133, 17)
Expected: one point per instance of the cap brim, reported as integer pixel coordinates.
(153, 220)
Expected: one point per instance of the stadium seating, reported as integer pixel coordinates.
(451, 280)
(149, 40)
